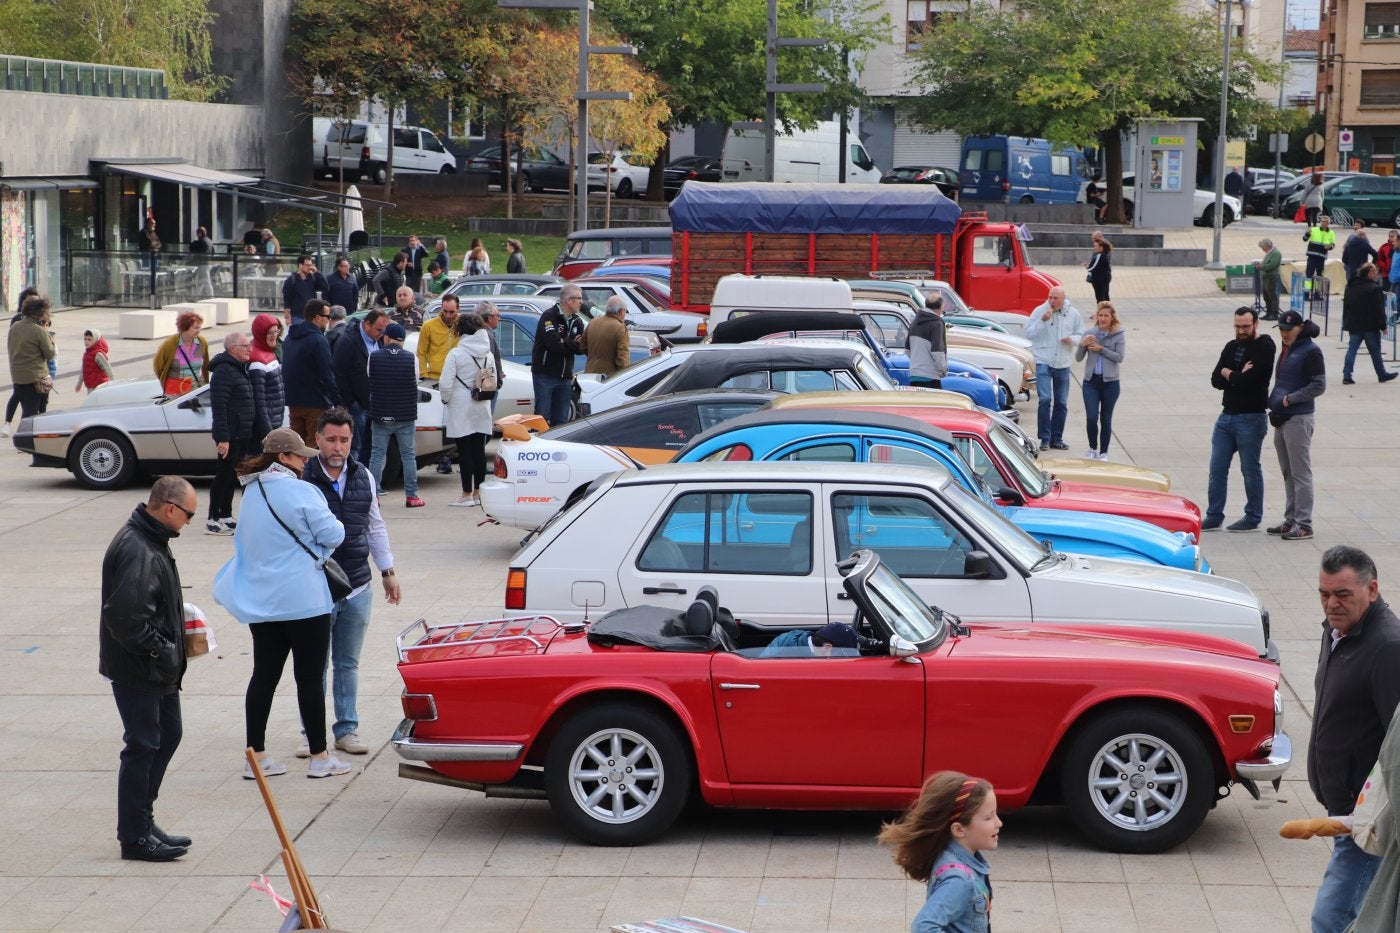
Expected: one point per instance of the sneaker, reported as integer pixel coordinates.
(1282, 528)
(1044, 445)
(1211, 524)
(1386, 378)
(230, 524)
(1091, 454)
(444, 466)
(1298, 533)
(352, 743)
(1348, 381)
(216, 527)
(326, 767)
(1243, 524)
(304, 749)
(463, 501)
(1059, 445)
(413, 502)
(1103, 457)
(4, 430)
(270, 767)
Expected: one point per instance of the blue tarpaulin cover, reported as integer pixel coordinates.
(762, 207)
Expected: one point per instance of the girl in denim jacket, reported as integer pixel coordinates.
(939, 840)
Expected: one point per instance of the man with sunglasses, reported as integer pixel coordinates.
(141, 650)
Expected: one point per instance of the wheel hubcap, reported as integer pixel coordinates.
(101, 460)
(1138, 782)
(616, 776)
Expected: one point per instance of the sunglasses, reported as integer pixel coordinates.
(188, 514)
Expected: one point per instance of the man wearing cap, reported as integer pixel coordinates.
(833, 639)
(350, 493)
(1053, 329)
(393, 410)
(1242, 376)
(141, 650)
(1299, 378)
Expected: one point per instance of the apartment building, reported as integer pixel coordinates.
(1359, 83)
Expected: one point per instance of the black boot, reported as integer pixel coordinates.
(178, 842)
(150, 849)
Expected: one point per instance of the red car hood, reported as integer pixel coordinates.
(1174, 513)
(1105, 645)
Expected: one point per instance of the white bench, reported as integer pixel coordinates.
(224, 310)
(146, 325)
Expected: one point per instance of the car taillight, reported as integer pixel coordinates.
(419, 707)
(364, 154)
(692, 174)
(702, 330)
(613, 168)
(515, 589)
(1006, 185)
(500, 470)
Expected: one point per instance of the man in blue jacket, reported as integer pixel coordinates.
(393, 410)
(351, 362)
(307, 371)
(303, 285)
(1299, 377)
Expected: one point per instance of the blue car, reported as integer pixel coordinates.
(868, 437)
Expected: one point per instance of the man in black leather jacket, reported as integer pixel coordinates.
(141, 651)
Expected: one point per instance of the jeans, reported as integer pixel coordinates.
(307, 640)
(1372, 338)
(349, 622)
(151, 729)
(1100, 397)
(404, 431)
(1344, 886)
(554, 397)
(226, 481)
(1051, 383)
(1293, 443)
(1242, 434)
(363, 445)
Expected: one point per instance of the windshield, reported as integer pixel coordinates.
(1027, 471)
(873, 377)
(908, 616)
(1022, 548)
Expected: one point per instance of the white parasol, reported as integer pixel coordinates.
(352, 217)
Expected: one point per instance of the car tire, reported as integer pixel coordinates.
(1128, 211)
(102, 459)
(1120, 798)
(624, 189)
(528, 182)
(379, 174)
(1395, 220)
(1027, 199)
(633, 805)
(447, 170)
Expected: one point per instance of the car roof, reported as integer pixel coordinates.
(873, 398)
(613, 233)
(765, 471)
(691, 396)
(717, 362)
(878, 421)
(758, 324)
(967, 419)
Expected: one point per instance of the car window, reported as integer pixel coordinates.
(1059, 165)
(868, 376)
(516, 288)
(990, 250)
(629, 246)
(598, 297)
(912, 537)
(356, 134)
(655, 429)
(729, 532)
(473, 288)
(405, 139)
(513, 339)
(823, 453)
(431, 143)
(1029, 473)
(758, 381)
(660, 246)
(590, 249)
(973, 160)
(1345, 186)
(737, 452)
(994, 160)
(983, 465)
(888, 329)
(894, 453)
(664, 365)
(713, 413)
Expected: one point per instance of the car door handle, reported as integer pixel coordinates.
(843, 595)
(653, 590)
(725, 686)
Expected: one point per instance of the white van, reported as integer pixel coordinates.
(361, 148)
(745, 294)
(804, 156)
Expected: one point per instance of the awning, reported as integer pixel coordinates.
(45, 184)
(179, 173)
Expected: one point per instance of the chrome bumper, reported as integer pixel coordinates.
(412, 749)
(1270, 768)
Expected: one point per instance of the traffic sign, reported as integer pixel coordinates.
(1314, 143)
(1278, 142)
(1344, 141)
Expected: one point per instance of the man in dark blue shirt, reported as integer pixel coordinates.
(301, 286)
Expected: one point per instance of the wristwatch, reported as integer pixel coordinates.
(387, 573)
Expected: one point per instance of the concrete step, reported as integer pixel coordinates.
(1128, 256)
(1084, 240)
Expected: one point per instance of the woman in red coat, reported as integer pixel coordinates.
(1384, 256)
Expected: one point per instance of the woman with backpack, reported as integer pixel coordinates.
(468, 384)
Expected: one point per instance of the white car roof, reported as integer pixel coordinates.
(761, 471)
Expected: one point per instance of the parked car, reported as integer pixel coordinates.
(636, 537)
(127, 428)
(1203, 204)
(622, 720)
(658, 290)
(585, 249)
(1008, 468)
(643, 312)
(945, 179)
(848, 436)
(520, 318)
(1092, 471)
(1296, 185)
(1372, 199)
(1261, 189)
(690, 168)
(539, 168)
(362, 149)
(621, 173)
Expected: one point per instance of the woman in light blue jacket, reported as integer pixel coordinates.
(1102, 350)
(276, 588)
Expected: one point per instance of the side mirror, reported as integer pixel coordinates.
(977, 565)
(901, 647)
(191, 404)
(1006, 493)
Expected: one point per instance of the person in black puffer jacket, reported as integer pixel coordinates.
(393, 395)
(265, 374)
(1363, 318)
(234, 419)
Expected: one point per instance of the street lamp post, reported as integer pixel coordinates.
(1215, 262)
(772, 88)
(584, 95)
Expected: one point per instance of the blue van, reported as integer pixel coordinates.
(1019, 170)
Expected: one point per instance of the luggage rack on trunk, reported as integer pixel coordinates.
(535, 630)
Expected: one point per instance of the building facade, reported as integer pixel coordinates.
(1359, 85)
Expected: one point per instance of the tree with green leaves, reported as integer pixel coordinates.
(171, 35)
(1080, 74)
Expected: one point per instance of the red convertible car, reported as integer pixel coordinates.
(617, 722)
(1005, 464)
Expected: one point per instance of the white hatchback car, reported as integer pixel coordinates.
(768, 537)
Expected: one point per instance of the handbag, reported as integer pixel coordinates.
(44, 385)
(336, 578)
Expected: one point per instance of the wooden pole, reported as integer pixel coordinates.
(304, 894)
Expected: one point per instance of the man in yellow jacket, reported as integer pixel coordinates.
(437, 336)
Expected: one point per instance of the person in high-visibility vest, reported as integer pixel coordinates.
(1321, 240)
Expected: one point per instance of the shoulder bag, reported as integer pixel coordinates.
(336, 578)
